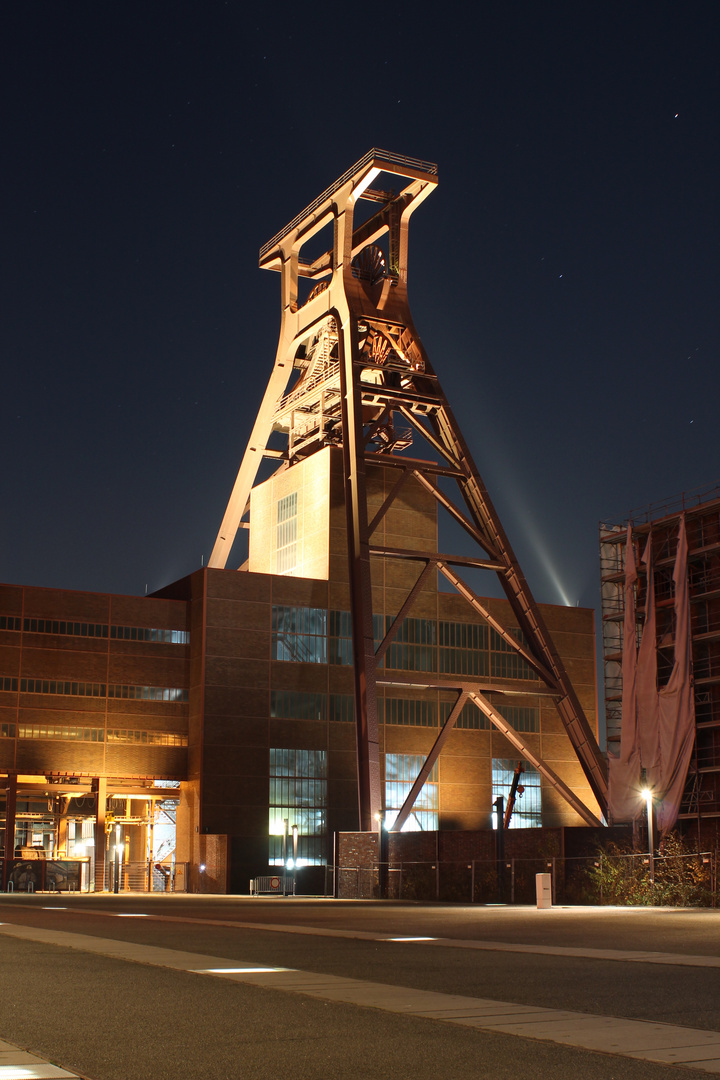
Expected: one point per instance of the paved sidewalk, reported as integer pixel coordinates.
(653, 1042)
(18, 1064)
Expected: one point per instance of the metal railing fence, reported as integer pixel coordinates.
(677, 880)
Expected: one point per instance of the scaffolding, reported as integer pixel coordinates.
(701, 507)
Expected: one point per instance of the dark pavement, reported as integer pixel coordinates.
(110, 1019)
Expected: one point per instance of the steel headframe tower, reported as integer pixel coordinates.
(349, 363)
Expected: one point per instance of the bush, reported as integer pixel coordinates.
(683, 876)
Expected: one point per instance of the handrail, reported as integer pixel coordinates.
(306, 389)
(667, 507)
(375, 153)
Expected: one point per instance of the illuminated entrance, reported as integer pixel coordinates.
(77, 834)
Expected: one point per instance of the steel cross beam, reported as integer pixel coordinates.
(520, 744)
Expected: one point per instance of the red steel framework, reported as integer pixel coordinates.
(350, 367)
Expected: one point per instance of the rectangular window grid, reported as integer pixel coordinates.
(505, 662)
(299, 634)
(97, 735)
(414, 647)
(69, 628)
(298, 794)
(463, 648)
(61, 731)
(470, 718)
(149, 738)
(527, 812)
(401, 771)
(99, 690)
(149, 693)
(522, 718)
(407, 711)
(294, 705)
(312, 635)
(286, 535)
(341, 707)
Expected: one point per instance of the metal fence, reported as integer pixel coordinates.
(146, 877)
(678, 880)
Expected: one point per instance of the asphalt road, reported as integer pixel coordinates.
(111, 1019)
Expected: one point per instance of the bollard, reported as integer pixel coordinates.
(543, 888)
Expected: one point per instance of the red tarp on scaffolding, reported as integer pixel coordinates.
(624, 771)
(658, 727)
(677, 701)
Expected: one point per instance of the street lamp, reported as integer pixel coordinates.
(647, 796)
(295, 849)
(284, 852)
(118, 856)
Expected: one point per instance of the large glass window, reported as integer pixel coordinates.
(286, 535)
(340, 644)
(463, 648)
(470, 716)
(295, 705)
(527, 812)
(407, 711)
(414, 647)
(505, 661)
(299, 634)
(298, 795)
(401, 771)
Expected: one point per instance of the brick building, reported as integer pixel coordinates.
(225, 701)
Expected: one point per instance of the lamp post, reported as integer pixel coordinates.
(647, 795)
(284, 852)
(295, 849)
(118, 857)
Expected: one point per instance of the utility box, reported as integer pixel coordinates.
(543, 888)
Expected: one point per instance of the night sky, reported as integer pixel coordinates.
(563, 277)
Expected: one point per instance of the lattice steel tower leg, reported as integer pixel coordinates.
(358, 363)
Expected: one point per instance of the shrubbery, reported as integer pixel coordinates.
(683, 877)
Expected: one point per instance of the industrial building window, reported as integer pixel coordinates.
(463, 648)
(150, 633)
(401, 771)
(8, 683)
(414, 647)
(68, 627)
(519, 717)
(340, 637)
(7, 731)
(149, 693)
(146, 738)
(294, 705)
(342, 708)
(286, 535)
(54, 626)
(527, 813)
(81, 689)
(470, 716)
(408, 711)
(55, 686)
(58, 731)
(298, 796)
(505, 662)
(299, 634)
